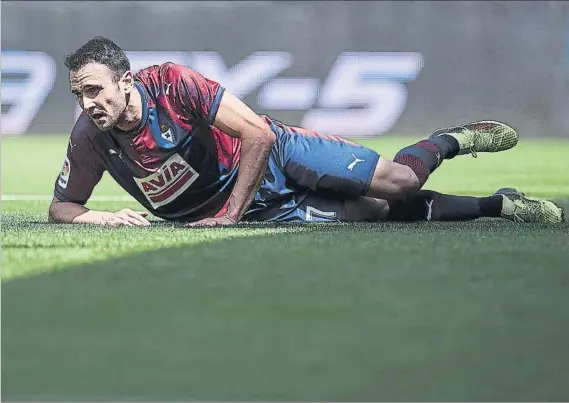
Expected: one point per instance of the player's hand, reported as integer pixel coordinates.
(213, 222)
(126, 217)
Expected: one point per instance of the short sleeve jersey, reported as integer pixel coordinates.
(175, 163)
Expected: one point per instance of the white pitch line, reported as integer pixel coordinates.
(48, 198)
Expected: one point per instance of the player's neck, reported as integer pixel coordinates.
(133, 113)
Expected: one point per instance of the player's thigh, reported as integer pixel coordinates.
(303, 207)
(324, 163)
(320, 208)
(313, 207)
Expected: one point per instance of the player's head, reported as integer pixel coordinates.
(100, 77)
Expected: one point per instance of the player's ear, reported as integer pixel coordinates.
(127, 82)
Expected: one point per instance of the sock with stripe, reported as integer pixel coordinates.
(427, 155)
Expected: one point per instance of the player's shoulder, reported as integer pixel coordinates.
(157, 77)
(174, 70)
(166, 72)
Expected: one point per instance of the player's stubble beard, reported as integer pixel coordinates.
(128, 118)
(121, 121)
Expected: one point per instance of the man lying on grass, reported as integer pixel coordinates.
(189, 151)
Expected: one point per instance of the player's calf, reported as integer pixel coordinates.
(427, 155)
(427, 205)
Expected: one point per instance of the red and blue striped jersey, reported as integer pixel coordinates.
(175, 163)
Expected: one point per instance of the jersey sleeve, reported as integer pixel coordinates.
(194, 93)
(82, 168)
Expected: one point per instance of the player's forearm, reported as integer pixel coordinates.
(67, 212)
(92, 217)
(252, 165)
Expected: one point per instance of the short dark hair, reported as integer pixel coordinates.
(99, 50)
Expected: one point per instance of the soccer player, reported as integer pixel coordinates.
(190, 151)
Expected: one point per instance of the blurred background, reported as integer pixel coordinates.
(358, 69)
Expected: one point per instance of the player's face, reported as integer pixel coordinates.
(102, 98)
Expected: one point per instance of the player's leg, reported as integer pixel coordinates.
(427, 205)
(336, 168)
(366, 209)
(301, 207)
(412, 165)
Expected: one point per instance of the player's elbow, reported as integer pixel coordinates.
(51, 217)
(269, 137)
(64, 212)
(262, 135)
(54, 212)
(259, 130)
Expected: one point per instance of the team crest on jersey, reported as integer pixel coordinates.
(167, 134)
(170, 181)
(64, 174)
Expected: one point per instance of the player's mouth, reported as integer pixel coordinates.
(97, 116)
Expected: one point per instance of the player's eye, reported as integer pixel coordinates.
(92, 92)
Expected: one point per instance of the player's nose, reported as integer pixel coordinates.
(88, 105)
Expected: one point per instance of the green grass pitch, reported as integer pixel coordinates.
(475, 311)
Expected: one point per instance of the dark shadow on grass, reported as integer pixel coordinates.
(408, 313)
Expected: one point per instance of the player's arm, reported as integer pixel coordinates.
(82, 170)
(213, 104)
(65, 212)
(69, 212)
(238, 120)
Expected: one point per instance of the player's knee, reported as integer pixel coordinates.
(391, 180)
(407, 180)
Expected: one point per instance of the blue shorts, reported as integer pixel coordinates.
(309, 177)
